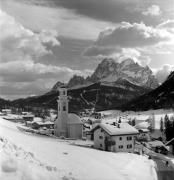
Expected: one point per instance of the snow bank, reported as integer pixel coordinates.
(16, 164)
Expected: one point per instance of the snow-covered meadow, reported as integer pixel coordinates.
(33, 157)
(112, 115)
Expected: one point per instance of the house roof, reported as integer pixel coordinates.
(171, 142)
(74, 119)
(43, 123)
(156, 144)
(112, 130)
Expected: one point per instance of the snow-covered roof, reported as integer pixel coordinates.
(37, 119)
(142, 125)
(124, 128)
(28, 116)
(74, 119)
(156, 144)
(44, 123)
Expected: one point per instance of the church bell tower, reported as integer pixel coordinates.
(60, 128)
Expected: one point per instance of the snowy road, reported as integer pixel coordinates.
(79, 162)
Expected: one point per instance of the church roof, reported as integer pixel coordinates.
(74, 119)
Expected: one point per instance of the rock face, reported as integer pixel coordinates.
(76, 80)
(161, 97)
(110, 71)
(57, 85)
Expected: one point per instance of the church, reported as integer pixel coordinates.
(67, 125)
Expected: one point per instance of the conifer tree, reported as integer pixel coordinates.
(161, 125)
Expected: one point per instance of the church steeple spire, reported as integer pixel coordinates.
(62, 120)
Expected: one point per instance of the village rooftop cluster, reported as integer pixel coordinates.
(105, 132)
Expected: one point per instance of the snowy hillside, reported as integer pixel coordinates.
(30, 157)
(139, 116)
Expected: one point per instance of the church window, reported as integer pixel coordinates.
(100, 137)
(64, 108)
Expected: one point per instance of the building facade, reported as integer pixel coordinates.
(113, 138)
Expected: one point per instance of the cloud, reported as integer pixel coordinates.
(37, 16)
(163, 72)
(19, 43)
(167, 25)
(129, 41)
(21, 71)
(114, 11)
(132, 35)
(153, 10)
(27, 77)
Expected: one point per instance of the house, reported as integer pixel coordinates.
(39, 124)
(28, 117)
(157, 146)
(6, 111)
(115, 138)
(144, 133)
(171, 146)
(68, 125)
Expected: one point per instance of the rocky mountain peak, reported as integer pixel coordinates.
(110, 71)
(127, 62)
(57, 85)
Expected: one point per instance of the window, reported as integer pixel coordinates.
(100, 145)
(129, 138)
(120, 138)
(100, 137)
(64, 93)
(129, 146)
(64, 108)
(120, 147)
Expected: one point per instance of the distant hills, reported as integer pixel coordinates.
(4, 103)
(102, 96)
(161, 97)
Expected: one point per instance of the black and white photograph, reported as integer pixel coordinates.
(86, 89)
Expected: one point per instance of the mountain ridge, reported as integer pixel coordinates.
(108, 70)
(161, 97)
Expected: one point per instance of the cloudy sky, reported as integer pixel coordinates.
(45, 41)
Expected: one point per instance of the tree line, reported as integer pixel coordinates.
(167, 127)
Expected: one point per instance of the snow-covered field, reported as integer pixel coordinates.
(139, 116)
(31, 157)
